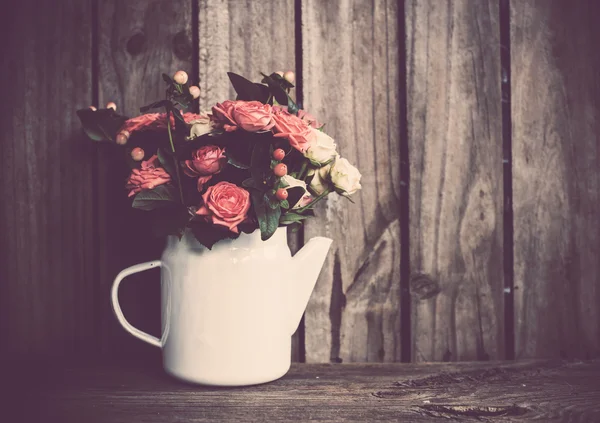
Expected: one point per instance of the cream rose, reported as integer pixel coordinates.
(344, 176)
(200, 126)
(291, 182)
(322, 147)
(320, 181)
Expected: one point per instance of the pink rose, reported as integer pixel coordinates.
(310, 119)
(206, 161)
(148, 177)
(225, 204)
(153, 121)
(289, 126)
(222, 115)
(253, 116)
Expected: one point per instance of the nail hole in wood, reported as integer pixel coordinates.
(423, 286)
(182, 46)
(136, 44)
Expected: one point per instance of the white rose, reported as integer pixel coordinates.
(200, 126)
(344, 176)
(291, 182)
(322, 149)
(320, 181)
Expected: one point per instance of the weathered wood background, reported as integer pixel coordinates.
(475, 123)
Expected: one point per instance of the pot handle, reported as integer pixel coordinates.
(153, 340)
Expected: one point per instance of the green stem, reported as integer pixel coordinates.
(174, 157)
(302, 170)
(313, 202)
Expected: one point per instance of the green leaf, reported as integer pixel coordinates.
(208, 234)
(249, 183)
(161, 196)
(285, 204)
(168, 162)
(292, 107)
(246, 90)
(268, 218)
(155, 105)
(276, 90)
(291, 217)
(232, 161)
(167, 78)
(259, 164)
(101, 125)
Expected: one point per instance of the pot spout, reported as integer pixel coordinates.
(307, 263)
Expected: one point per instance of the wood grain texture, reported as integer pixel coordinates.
(488, 392)
(455, 143)
(242, 36)
(138, 40)
(47, 260)
(350, 77)
(246, 37)
(556, 177)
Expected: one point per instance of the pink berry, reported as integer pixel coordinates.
(195, 91)
(92, 108)
(137, 154)
(180, 77)
(111, 105)
(280, 170)
(281, 194)
(289, 76)
(278, 154)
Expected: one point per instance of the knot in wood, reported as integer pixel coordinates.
(423, 286)
(136, 44)
(182, 46)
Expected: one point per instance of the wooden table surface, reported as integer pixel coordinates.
(545, 391)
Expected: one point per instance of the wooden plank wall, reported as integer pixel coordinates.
(67, 228)
(48, 247)
(556, 179)
(350, 77)
(455, 144)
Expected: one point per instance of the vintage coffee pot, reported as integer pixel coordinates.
(228, 314)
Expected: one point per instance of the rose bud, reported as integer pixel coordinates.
(92, 108)
(195, 91)
(289, 77)
(278, 154)
(111, 105)
(180, 77)
(122, 137)
(345, 177)
(280, 170)
(207, 161)
(281, 194)
(137, 154)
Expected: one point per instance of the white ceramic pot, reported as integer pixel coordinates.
(228, 313)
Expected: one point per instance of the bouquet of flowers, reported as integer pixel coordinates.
(259, 161)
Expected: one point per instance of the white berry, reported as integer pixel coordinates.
(180, 77)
